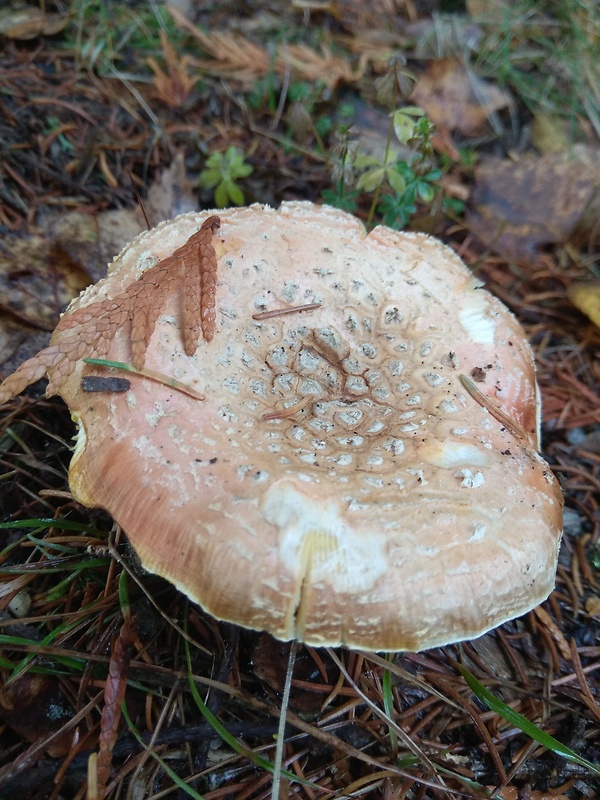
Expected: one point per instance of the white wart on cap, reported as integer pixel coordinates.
(364, 472)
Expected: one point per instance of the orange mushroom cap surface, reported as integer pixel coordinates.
(363, 470)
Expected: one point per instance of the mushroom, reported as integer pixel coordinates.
(363, 468)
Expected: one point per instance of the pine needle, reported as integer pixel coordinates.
(158, 377)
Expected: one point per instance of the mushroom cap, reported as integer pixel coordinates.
(388, 508)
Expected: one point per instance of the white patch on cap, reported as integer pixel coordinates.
(479, 533)
(469, 479)
(158, 413)
(80, 437)
(476, 320)
(452, 455)
(318, 546)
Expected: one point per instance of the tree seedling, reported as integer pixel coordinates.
(221, 173)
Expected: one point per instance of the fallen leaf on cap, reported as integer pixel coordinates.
(29, 23)
(88, 333)
(455, 98)
(42, 270)
(586, 297)
(519, 206)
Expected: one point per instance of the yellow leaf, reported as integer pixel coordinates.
(27, 23)
(586, 297)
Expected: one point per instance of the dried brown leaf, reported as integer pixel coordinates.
(37, 278)
(27, 23)
(592, 606)
(34, 706)
(114, 693)
(170, 194)
(231, 54)
(455, 98)
(173, 87)
(315, 66)
(234, 56)
(519, 205)
(375, 46)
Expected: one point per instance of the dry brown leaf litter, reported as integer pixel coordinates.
(454, 98)
(234, 56)
(519, 205)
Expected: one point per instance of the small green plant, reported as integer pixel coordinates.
(263, 94)
(396, 182)
(221, 172)
(344, 155)
(409, 181)
(309, 97)
(53, 124)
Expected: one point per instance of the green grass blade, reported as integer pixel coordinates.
(43, 523)
(40, 569)
(388, 705)
(171, 773)
(124, 596)
(227, 737)
(521, 722)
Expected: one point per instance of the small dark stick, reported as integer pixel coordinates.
(94, 383)
(139, 199)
